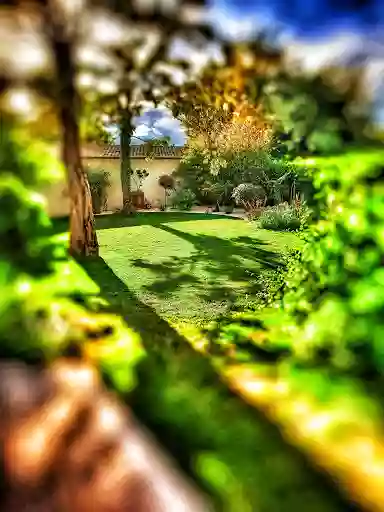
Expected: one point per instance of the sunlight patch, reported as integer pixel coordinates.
(192, 334)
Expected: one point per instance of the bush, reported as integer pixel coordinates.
(183, 199)
(247, 194)
(194, 173)
(39, 259)
(331, 300)
(247, 167)
(282, 217)
(305, 215)
(271, 283)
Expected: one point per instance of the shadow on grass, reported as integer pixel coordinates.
(217, 268)
(181, 399)
(154, 330)
(120, 220)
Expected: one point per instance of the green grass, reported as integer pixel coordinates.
(170, 274)
(189, 267)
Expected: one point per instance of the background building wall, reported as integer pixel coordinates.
(153, 193)
(57, 195)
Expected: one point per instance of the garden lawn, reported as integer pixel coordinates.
(188, 268)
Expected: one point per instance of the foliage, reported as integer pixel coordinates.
(220, 189)
(218, 118)
(342, 263)
(305, 214)
(167, 182)
(99, 181)
(92, 126)
(317, 114)
(248, 195)
(276, 177)
(193, 172)
(183, 199)
(272, 281)
(331, 312)
(282, 217)
(139, 176)
(242, 133)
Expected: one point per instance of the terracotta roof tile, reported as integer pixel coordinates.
(113, 151)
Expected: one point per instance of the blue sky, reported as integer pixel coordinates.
(314, 30)
(310, 17)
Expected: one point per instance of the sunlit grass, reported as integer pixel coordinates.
(190, 270)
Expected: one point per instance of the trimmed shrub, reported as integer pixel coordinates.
(167, 182)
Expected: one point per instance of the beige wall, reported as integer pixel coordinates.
(153, 193)
(57, 199)
(114, 193)
(58, 203)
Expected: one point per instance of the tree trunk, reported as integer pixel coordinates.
(83, 239)
(126, 130)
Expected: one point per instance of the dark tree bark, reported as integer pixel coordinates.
(126, 131)
(83, 238)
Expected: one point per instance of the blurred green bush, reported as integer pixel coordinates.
(39, 320)
(331, 310)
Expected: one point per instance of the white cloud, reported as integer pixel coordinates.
(198, 58)
(314, 55)
(142, 131)
(169, 126)
(239, 28)
(155, 123)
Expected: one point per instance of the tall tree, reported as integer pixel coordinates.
(49, 23)
(83, 238)
(217, 115)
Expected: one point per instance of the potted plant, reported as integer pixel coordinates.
(139, 175)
